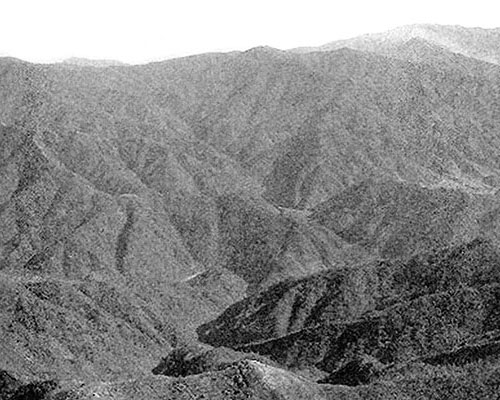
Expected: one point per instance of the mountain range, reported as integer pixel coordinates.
(316, 223)
(477, 43)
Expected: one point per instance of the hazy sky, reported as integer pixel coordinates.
(146, 30)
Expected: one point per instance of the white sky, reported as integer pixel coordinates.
(147, 30)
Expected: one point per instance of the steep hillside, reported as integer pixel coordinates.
(77, 262)
(400, 219)
(391, 311)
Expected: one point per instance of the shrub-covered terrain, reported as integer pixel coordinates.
(317, 223)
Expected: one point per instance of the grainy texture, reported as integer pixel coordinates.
(321, 223)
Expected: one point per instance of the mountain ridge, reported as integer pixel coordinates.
(477, 43)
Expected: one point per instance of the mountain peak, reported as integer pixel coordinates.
(477, 43)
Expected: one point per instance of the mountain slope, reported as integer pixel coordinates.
(79, 262)
(391, 311)
(478, 43)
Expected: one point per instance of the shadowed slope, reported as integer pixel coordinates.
(391, 311)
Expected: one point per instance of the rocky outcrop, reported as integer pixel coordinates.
(189, 360)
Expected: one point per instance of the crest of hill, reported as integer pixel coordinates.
(478, 43)
(87, 62)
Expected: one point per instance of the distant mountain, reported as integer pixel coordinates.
(478, 43)
(87, 62)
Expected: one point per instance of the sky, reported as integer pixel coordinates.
(152, 30)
